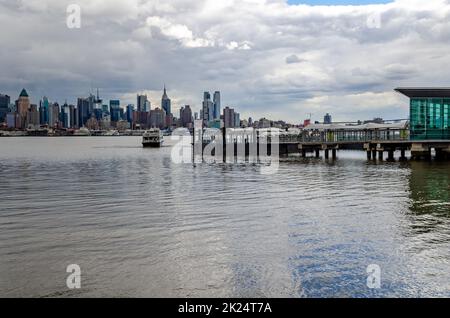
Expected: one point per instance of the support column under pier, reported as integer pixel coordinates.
(334, 154)
(380, 155)
(327, 153)
(403, 155)
(391, 155)
(369, 155)
(317, 153)
(374, 154)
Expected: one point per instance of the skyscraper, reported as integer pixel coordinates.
(228, 117)
(327, 119)
(23, 105)
(166, 103)
(5, 100)
(207, 109)
(115, 110)
(186, 116)
(141, 101)
(237, 120)
(129, 113)
(43, 110)
(216, 109)
(83, 111)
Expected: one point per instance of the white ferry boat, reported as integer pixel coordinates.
(152, 138)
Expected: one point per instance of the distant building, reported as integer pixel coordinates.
(327, 119)
(43, 111)
(207, 108)
(83, 111)
(141, 103)
(157, 118)
(216, 106)
(92, 124)
(129, 113)
(166, 104)
(33, 117)
(237, 120)
(115, 110)
(264, 123)
(53, 115)
(5, 100)
(23, 105)
(11, 120)
(228, 117)
(186, 116)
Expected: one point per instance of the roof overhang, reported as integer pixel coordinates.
(423, 92)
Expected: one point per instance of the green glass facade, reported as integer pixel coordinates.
(430, 118)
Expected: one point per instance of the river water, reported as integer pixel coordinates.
(139, 225)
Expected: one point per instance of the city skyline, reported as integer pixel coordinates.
(290, 61)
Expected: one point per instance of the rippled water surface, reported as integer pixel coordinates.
(140, 225)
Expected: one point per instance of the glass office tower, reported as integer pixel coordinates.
(429, 113)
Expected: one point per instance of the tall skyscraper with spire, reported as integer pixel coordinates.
(166, 103)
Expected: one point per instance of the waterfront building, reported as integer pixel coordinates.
(166, 103)
(429, 112)
(5, 100)
(216, 107)
(327, 119)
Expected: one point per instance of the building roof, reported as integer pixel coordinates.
(23, 93)
(368, 126)
(427, 92)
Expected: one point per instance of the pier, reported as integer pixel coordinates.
(379, 141)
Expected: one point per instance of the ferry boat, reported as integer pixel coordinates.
(153, 138)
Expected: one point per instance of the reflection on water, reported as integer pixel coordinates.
(139, 225)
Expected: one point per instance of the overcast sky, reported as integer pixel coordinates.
(268, 58)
